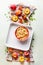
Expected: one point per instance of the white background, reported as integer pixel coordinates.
(37, 26)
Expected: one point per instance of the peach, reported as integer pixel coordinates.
(15, 55)
(18, 12)
(26, 53)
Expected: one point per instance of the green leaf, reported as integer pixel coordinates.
(31, 18)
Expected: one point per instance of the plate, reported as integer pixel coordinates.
(13, 42)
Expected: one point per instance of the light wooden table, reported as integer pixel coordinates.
(37, 27)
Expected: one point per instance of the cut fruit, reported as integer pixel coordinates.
(24, 17)
(27, 11)
(18, 12)
(26, 53)
(20, 7)
(15, 55)
(10, 50)
(20, 20)
(14, 18)
(21, 59)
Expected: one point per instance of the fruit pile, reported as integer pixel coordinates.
(19, 13)
(19, 55)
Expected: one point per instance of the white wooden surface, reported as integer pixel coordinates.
(37, 26)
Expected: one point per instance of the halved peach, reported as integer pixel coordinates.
(20, 7)
(10, 50)
(20, 20)
(15, 55)
(26, 53)
(18, 12)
